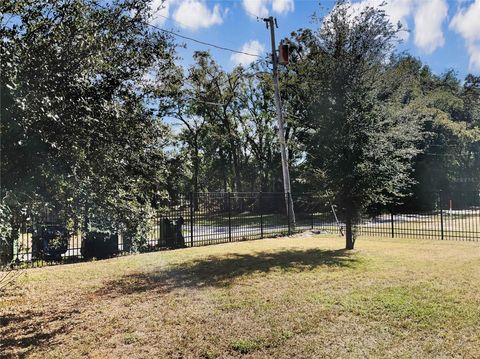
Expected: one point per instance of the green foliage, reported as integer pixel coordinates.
(6, 230)
(361, 148)
(228, 136)
(76, 127)
(5, 222)
(84, 89)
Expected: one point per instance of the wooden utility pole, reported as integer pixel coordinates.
(271, 23)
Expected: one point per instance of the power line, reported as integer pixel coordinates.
(206, 43)
(185, 25)
(259, 18)
(203, 42)
(174, 20)
(187, 37)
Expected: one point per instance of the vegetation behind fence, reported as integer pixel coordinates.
(211, 218)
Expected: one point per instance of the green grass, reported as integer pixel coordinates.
(277, 298)
(245, 346)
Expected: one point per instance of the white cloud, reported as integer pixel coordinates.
(429, 18)
(466, 22)
(283, 6)
(252, 47)
(256, 7)
(195, 14)
(474, 52)
(396, 10)
(260, 8)
(159, 11)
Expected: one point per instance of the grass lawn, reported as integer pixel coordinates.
(278, 298)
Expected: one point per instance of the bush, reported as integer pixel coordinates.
(6, 235)
(135, 239)
(49, 242)
(99, 245)
(171, 232)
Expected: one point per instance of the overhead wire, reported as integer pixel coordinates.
(188, 37)
(198, 41)
(202, 43)
(258, 18)
(187, 26)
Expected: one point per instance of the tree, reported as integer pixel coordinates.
(210, 112)
(263, 171)
(76, 130)
(361, 148)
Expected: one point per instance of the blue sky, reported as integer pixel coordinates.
(443, 33)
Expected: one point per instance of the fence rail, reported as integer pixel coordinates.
(198, 219)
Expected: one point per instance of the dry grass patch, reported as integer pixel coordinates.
(288, 297)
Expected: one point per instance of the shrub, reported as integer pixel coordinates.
(99, 245)
(49, 242)
(171, 232)
(6, 235)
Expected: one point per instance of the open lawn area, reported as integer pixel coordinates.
(299, 297)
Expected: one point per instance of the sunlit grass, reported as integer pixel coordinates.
(284, 297)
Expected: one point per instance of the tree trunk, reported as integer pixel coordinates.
(223, 161)
(86, 218)
(196, 170)
(349, 231)
(236, 170)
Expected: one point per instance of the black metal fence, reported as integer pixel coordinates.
(451, 215)
(212, 218)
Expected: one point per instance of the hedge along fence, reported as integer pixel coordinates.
(210, 218)
(185, 220)
(46, 242)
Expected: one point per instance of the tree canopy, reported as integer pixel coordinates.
(99, 120)
(77, 131)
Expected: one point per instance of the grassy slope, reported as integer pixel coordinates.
(293, 297)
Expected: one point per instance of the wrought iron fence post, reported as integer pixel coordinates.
(441, 213)
(391, 220)
(12, 251)
(288, 212)
(261, 214)
(191, 217)
(312, 219)
(229, 216)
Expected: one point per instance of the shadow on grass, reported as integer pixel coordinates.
(28, 331)
(215, 271)
(25, 332)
